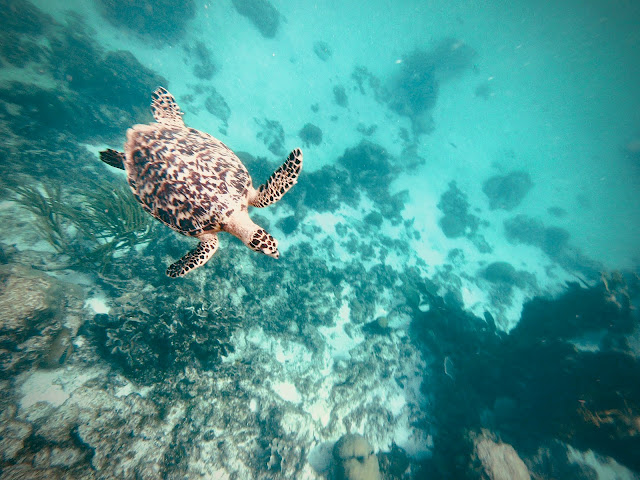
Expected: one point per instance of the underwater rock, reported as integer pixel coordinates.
(369, 166)
(13, 433)
(261, 13)
(555, 460)
(340, 96)
(288, 224)
(557, 211)
(272, 134)
(354, 459)
(499, 460)
(394, 463)
(322, 50)
(374, 219)
(416, 87)
(310, 135)
(157, 21)
(505, 273)
(204, 66)
(32, 305)
(23, 25)
(503, 278)
(507, 191)
(60, 349)
(457, 221)
(582, 397)
(530, 231)
(524, 229)
(379, 326)
(217, 106)
(367, 131)
(103, 92)
(412, 92)
(27, 300)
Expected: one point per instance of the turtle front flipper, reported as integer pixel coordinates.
(113, 158)
(195, 258)
(279, 182)
(165, 108)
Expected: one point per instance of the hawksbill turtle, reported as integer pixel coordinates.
(195, 184)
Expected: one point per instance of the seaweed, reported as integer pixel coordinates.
(109, 222)
(47, 206)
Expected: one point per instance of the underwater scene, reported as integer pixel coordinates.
(279, 239)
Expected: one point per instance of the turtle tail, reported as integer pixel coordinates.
(113, 158)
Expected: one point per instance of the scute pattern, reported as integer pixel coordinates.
(186, 178)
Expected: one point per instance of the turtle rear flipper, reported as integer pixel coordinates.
(279, 182)
(113, 158)
(195, 258)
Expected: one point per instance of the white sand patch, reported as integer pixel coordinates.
(605, 467)
(41, 387)
(98, 305)
(287, 391)
(54, 386)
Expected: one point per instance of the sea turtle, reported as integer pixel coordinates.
(195, 184)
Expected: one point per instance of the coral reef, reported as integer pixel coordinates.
(535, 385)
(507, 191)
(203, 65)
(499, 460)
(457, 221)
(104, 92)
(23, 25)
(554, 241)
(503, 278)
(416, 88)
(272, 134)
(413, 90)
(322, 50)
(340, 96)
(355, 459)
(217, 106)
(310, 134)
(158, 21)
(151, 345)
(261, 13)
(366, 168)
(38, 317)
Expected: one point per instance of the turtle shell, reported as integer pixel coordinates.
(187, 179)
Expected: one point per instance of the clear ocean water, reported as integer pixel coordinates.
(457, 284)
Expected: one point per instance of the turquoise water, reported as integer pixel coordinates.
(457, 284)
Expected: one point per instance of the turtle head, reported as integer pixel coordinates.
(261, 241)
